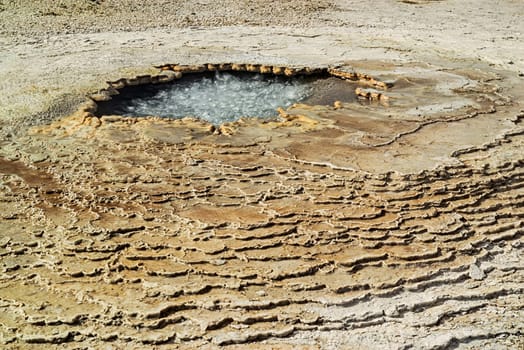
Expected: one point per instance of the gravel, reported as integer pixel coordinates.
(50, 17)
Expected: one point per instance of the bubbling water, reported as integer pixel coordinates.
(218, 98)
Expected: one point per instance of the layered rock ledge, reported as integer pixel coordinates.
(392, 222)
(328, 223)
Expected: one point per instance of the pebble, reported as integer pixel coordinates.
(476, 273)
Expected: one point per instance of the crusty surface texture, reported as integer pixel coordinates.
(393, 222)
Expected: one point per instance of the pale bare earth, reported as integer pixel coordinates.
(395, 223)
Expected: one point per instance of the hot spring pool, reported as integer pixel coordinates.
(219, 97)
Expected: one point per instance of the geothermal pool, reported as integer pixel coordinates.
(219, 97)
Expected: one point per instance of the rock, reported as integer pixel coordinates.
(5, 241)
(105, 96)
(476, 273)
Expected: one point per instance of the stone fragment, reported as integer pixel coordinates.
(103, 95)
(4, 241)
(371, 94)
(168, 76)
(144, 79)
(118, 84)
(255, 68)
(278, 70)
(266, 69)
(289, 71)
(224, 66)
(238, 67)
(38, 157)
(476, 273)
(195, 68)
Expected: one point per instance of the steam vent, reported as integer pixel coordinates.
(232, 187)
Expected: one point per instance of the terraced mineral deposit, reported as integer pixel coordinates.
(394, 221)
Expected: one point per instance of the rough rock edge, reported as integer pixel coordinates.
(171, 72)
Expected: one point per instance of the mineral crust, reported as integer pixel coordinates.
(329, 222)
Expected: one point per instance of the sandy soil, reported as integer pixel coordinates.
(392, 224)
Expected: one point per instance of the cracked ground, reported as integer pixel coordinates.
(355, 225)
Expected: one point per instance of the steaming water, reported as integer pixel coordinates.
(216, 98)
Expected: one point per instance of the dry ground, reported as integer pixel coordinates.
(361, 225)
